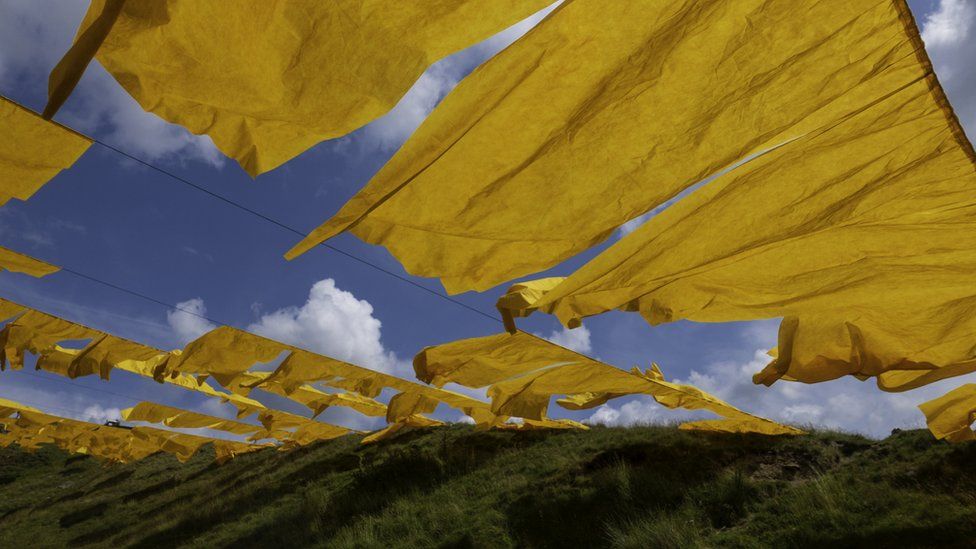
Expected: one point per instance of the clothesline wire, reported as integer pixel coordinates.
(287, 228)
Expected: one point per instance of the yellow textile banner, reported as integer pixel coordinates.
(525, 371)
(32, 151)
(16, 262)
(170, 416)
(951, 416)
(267, 79)
(619, 106)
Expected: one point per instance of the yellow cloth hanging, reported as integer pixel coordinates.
(19, 263)
(951, 416)
(152, 412)
(32, 151)
(617, 107)
(525, 371)
(267, 79)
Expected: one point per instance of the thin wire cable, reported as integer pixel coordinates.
(289, 228)
(75, 385)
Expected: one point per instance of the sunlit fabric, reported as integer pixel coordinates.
(951, 416)
(40, 333)
(152, 412)
(405, 424)
(32, 151)
(267, 79)
(524, 372)
(861, 233)
(33, 428)
(301, 367)
(607, 109)
(19, 263)
(298, 430)
(316, 400)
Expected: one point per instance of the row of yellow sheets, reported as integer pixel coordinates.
(855, 219)
(17, 262)
(32, 428)
(523, 372)
(30, 330)
(267, 79)
(32, 151)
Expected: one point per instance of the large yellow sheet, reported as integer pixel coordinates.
(951, 416)
(863, 236)
(170, 416)
(32, 151)
(525, 371)
(267, 79)
(608, 109)
(19, 263)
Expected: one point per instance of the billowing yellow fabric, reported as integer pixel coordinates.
(267, 79)
(152, 412)
(619, 106)
(9, 309)
(303, 367)
(951, 416)
(402, 425)
(19, 263)
(316, 400)
(863, 236)
(297, 429)
(37, 333)
(525, 371)
(481, 361)
(738, 425)
(32, 151)
(223, 353)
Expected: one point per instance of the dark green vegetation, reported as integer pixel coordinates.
(454, 487)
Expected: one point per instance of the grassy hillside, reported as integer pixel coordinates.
(454, 487)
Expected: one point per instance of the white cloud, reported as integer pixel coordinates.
(186, 321)
(34, 34)
(332, 322)
(96, 413)
(950, 39)
(577, 339)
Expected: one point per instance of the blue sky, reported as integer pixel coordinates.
(123, 223)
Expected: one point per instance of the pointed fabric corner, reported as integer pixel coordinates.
(204, 64)
(523, 372)
(17, 262)
(32, 151)
(667, 94)
(951, 416)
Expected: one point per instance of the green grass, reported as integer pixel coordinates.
(455, 487)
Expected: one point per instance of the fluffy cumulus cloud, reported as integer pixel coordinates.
(949, 33)
(187, 320)
(33, 36)
(577, 339)
(332, 322)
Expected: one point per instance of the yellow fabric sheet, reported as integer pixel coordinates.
(525, 371)
(299, 430)
(267, 79)
(861, 233)
(152, 412)
(951, 416)
(618, 107)
(39, 333)
(19, 263)
(316, 400)
(32, 151)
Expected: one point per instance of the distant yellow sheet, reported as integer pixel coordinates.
(19, 263)
(524, 372)
(608, 109)
(170, 416)
(267, 79)
(951, 416)
(32, 151)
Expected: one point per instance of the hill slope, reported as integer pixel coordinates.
(454, 487)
